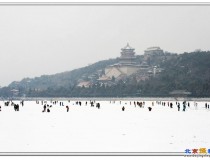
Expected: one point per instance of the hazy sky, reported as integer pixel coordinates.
(37, 40)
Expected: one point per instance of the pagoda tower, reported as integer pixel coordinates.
(127, 55)
(127, 64)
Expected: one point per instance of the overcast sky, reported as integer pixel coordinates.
(37, 40)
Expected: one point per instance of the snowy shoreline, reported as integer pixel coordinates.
(110, 98)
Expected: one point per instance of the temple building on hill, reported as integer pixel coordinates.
(140, 68)
(126, 66)
(153, 51)
(127, 56)
(154, 55)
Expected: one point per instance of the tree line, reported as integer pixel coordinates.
(187, 71)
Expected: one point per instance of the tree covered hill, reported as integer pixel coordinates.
(187, 71)
(65, 79)
(190, 71)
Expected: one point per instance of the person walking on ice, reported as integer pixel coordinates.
(67, 107)
(150, 108)
(98, 105)
(171, 105)
(184, 106)
(178, 105)
(44, 108)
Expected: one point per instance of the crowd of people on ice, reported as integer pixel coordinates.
(15, 105)
(185, 104)
(47, 105)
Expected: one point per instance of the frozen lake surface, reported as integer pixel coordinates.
(108, 129)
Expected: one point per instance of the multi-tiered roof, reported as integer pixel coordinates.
(127, 55)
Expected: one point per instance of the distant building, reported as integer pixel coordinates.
(126, 66)
(104, 78)
(154, 56)
(85, 84)
(153, 51)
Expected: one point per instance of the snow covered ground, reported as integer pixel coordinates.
(108, 129)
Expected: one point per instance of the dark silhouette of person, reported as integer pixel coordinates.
(184, 106)
(92, 105)
(178, 105)
(16, 107)
(67, 107)
(171, 105)
(98, 105)
(44, 108)
(48, 110)
(22, 103)
(140, 104)
(150, 108)
(123, 108)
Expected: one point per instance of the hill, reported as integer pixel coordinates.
(44, 82)
(187, 71)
